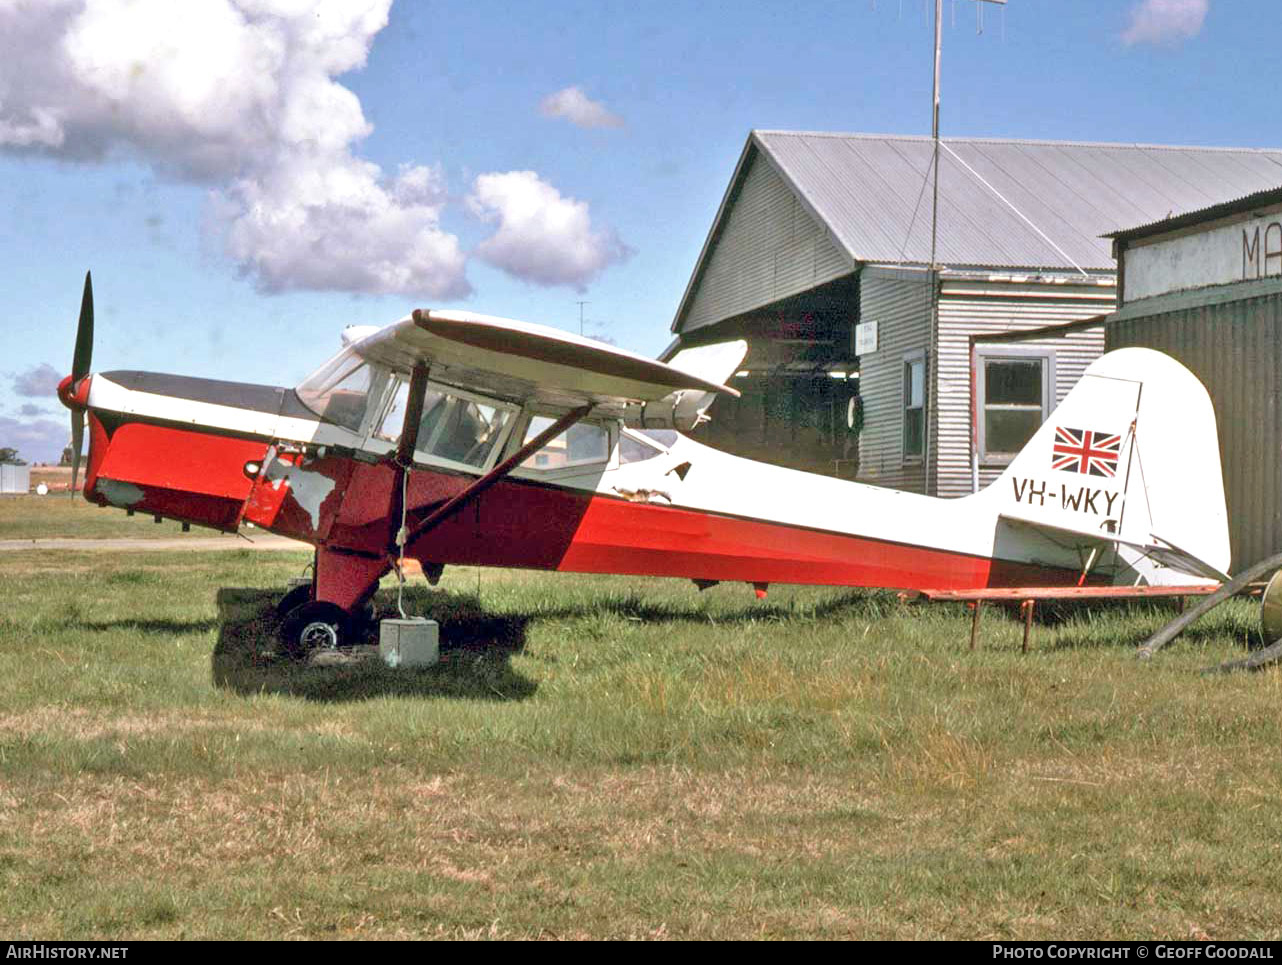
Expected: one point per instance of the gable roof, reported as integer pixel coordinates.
(1002, 203)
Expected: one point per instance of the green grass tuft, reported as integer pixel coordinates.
(616, 757)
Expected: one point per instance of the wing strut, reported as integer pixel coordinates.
(404, 458)
(413, 414)
(452, 506)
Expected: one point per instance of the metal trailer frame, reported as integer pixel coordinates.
(1027, 598)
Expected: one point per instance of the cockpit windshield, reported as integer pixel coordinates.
(456, 426)
(341, 390)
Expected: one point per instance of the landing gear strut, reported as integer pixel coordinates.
(331, 611)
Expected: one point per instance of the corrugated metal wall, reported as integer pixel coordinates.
(900, 305)
(1235, 348)
(980, 306)
(793, 419)
(769, 248)
(14, 479)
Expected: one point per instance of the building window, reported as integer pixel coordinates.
(914, 406)
(1014, 399)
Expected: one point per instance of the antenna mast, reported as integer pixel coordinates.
(932, 359)
(934, 120)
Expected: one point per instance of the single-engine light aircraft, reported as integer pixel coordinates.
(455, 438)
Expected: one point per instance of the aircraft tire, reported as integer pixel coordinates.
(293, 599)
(316, 625)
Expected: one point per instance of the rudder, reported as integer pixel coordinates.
(1131, 453)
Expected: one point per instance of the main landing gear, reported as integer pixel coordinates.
(317, 625)
(333, 609)
(307, 625)
(294, 599)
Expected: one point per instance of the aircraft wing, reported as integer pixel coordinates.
(522, 363)
(1161, 550)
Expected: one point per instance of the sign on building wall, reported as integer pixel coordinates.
(1244, 250)
(865, 338)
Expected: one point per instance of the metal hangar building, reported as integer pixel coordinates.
(860, 361)
(1206, 288)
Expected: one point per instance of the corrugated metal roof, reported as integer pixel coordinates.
(1002, 203)
(1257, 199)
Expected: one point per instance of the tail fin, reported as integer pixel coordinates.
(713, 363)
(1131, 460)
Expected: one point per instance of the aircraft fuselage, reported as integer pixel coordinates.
(224, 455)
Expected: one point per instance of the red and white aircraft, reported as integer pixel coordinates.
(450, 437)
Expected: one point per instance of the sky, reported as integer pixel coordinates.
(245, 178)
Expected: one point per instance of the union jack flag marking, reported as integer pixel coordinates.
(1086, 451)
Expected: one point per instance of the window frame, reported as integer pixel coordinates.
(611, 460)
(373, 442)
(909, 360)
(334, 372)
(1013, 353)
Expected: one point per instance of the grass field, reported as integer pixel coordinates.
(60, 516)
(610, 757)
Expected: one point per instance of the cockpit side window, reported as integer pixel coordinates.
(461, 429)
(664, 437)
(393, 421)
(632, 449)
(583, 444)
(455, 427)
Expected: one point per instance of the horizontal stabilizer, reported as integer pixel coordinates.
(1159, 550)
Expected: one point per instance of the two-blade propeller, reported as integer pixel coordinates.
(80, 362)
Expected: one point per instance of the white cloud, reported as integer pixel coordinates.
(542, 237)
(239, 95)
(580, 110)
(37, 382)
(329, 225)
(1165, 21)
(37, 440)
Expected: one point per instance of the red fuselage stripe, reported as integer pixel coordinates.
(522, 523)
(530, 525)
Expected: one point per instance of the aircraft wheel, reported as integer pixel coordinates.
(293, 599)
(303, 594)
(316, 625)
(1271, 609)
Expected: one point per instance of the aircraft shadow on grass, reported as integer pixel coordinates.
(1128, 623)
(164, 628)
(476, 651)
(476, 645)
